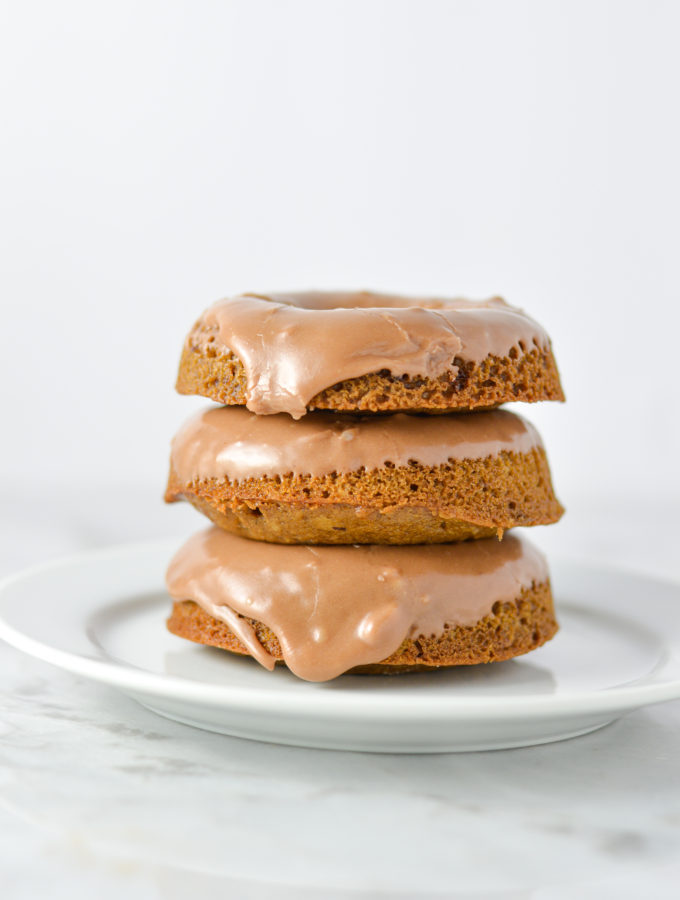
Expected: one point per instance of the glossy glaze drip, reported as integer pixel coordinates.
(231, 442)
(333, 608)
(293, 346)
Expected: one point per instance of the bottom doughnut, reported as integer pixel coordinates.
(325, 611)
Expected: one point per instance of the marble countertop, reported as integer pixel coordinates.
(99, 796)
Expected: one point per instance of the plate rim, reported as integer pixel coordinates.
(323, 704)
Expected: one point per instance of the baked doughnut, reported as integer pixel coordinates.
(353, 352)
(329, 610)
(345, 479)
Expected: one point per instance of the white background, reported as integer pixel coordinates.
(157, 156)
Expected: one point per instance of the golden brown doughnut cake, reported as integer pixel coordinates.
(334, 479)
(353, 352)
(329, 610)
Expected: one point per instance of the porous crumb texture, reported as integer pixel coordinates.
(415, 504)
(510, 630)
(528, 375)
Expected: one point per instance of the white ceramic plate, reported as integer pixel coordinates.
(101, 615)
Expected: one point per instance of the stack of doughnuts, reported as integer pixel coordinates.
(361, 480)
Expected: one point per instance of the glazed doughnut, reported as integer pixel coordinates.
(354, 352)
(347, 479)
(325, 611)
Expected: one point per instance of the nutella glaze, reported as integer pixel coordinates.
(333, 608)
(293, 346)
(231, 442)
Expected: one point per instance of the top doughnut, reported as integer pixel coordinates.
(367, 352)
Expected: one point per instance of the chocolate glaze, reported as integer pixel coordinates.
(333, 608)
(293, 346)
(231, 442)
